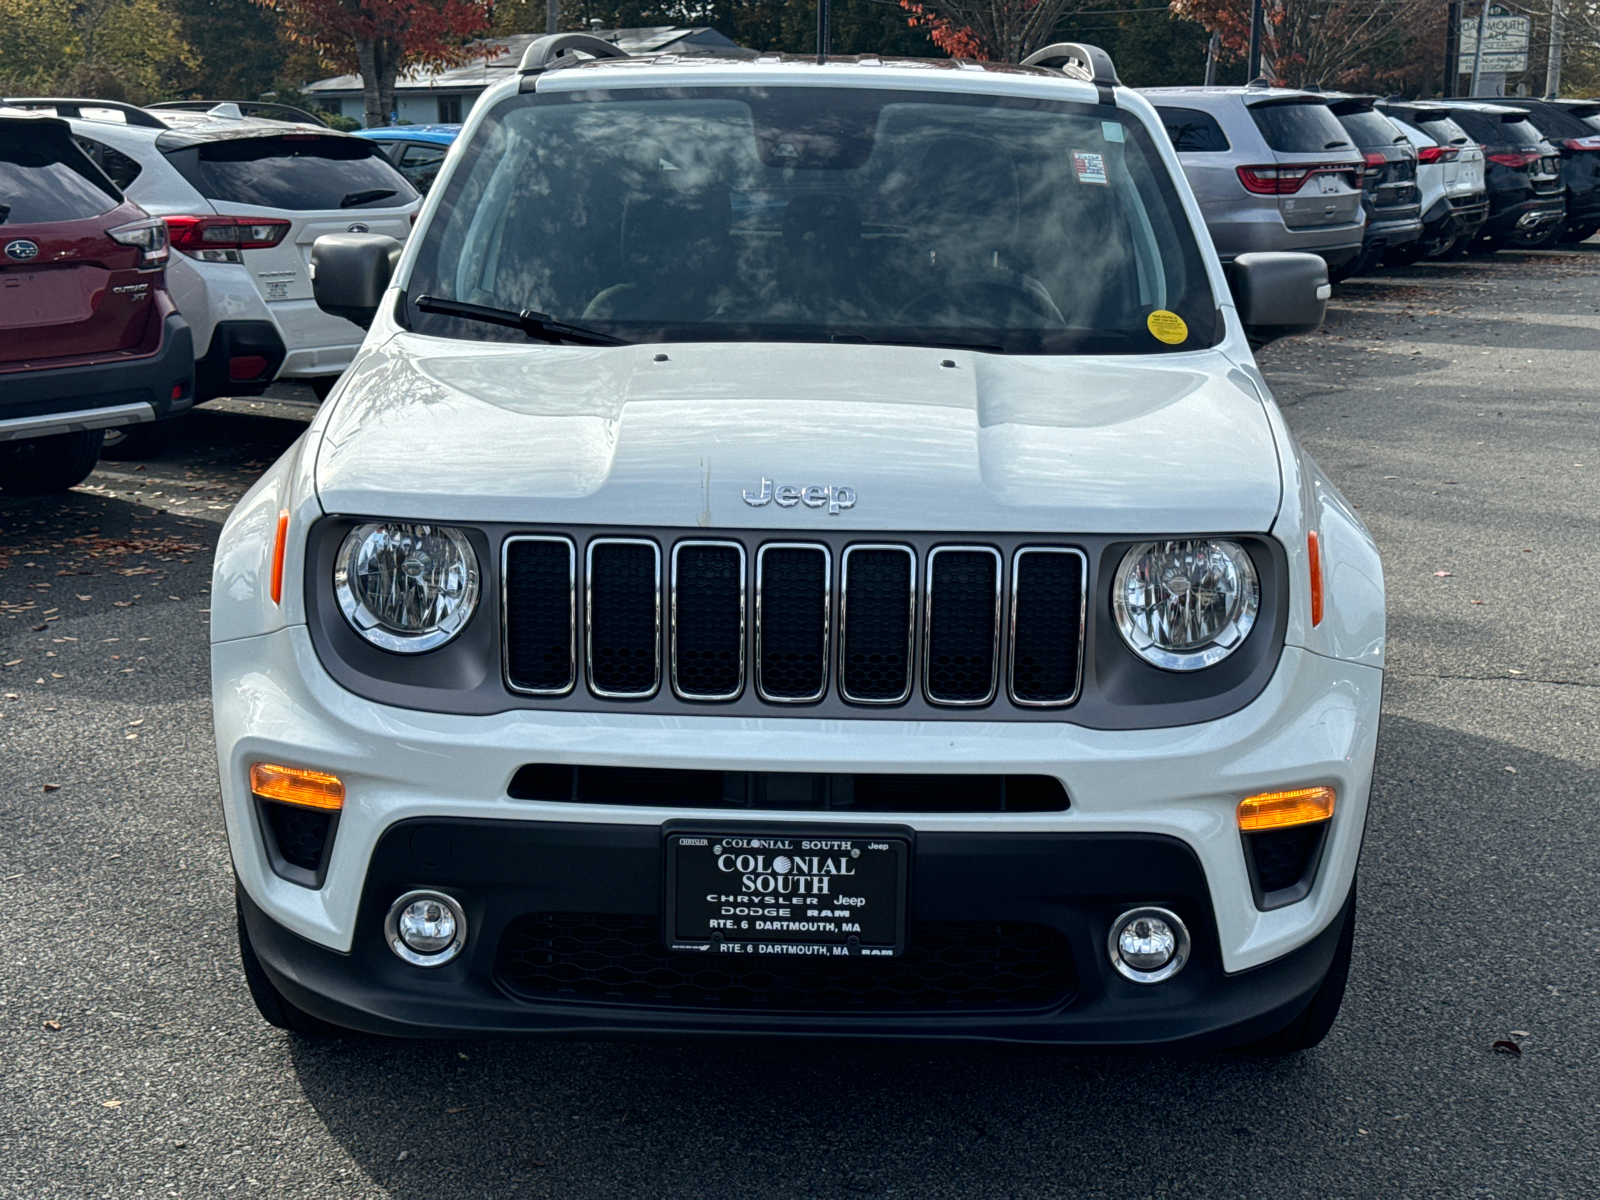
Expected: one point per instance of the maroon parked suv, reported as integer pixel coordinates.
(89, 338)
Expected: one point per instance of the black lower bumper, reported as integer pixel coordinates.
(163, 380)
(1028, 907)
(1524, 216)
(242, 360)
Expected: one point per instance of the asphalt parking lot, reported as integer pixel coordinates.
(1455, 404)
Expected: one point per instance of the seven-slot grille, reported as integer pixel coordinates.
(898, 618)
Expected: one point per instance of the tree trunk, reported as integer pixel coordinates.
(390, 53)
(367, 58)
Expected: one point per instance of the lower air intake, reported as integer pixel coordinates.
(949, 965)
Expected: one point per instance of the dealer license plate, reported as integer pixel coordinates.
(797, 895)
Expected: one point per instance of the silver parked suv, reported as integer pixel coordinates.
(1272, 168)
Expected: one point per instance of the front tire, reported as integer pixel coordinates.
(275, 1008)
(1313, 1024)
(38, 466)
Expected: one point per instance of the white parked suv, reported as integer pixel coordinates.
(244, 199)
(802, 549)
(1449, 174)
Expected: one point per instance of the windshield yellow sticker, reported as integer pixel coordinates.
(1167, 326)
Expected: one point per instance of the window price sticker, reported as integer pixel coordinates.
(1089, 166)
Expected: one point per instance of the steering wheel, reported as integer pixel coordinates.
(965, 287)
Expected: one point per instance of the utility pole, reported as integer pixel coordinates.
(1452, 50)
(552, 15)
(824, 30)
(1552, 70)
(1477, 50)
(1257, 21)
(1212, 50)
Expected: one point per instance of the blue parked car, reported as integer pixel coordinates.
(418, 150)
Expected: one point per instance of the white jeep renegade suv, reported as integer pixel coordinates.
(802, 549)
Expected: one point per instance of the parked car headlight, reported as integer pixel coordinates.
(406, 587)
(1184, 605)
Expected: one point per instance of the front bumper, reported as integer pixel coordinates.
(1314, 723)
(1006, 943)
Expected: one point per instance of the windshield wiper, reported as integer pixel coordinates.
(1333, 145)
(366, 197)
(540, 326)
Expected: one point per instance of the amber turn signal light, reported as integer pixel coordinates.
(293, 785)
(1279, 810)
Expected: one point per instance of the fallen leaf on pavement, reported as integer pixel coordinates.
(52, 1024)
(1506, 1046)
(52, 787)
(1511, 770)
(1442, 574)
(136, 724)
(111, 1104)
(84, 597)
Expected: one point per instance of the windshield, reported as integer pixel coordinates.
(810, 214)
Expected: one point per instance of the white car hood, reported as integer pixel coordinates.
(673, 435)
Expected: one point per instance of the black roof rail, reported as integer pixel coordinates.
(561, 49)
(73, 107)
(250, 108)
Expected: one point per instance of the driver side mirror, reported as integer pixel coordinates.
(351, 271)
(1279, 294)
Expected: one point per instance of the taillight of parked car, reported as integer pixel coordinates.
(1286, 181)
(1583, 143)
(1514, 158)
(220, 239)
(150, 236)
(1437, 154)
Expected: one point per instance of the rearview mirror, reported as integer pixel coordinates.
(1278, 294)
(351, 271)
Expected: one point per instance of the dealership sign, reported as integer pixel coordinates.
(1505, 42)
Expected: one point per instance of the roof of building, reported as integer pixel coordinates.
(498, 58)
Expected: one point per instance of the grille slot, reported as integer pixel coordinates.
(792, 596)
(785, 791)
(877, 616)
(540, 579)
(708, 620)
(1047, 618)
(948, 965)
(961, 656)
(624, 618)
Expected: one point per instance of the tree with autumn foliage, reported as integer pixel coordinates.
(990, 30)
(1335, 43)
(380, 38)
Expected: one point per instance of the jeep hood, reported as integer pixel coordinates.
(673, 435)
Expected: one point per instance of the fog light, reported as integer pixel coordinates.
(427, 929)
(1148, 945)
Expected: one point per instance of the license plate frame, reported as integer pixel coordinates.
(809, 918)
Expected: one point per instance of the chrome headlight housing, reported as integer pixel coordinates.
(406, 587)
(1185, 605)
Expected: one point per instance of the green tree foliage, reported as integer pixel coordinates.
(1150, 46)
(239, 48)
(109, 49)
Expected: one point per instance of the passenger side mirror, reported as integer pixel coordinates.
(351, 271)
(1278, 294)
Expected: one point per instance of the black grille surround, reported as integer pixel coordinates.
(472, 674)
(948, 965)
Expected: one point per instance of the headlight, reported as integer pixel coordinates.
(404, 587)
(1185, 605)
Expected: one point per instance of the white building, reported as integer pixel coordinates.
(445, 97)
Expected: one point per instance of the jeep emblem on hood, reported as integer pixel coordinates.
(788, 495)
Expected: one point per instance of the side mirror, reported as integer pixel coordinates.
(351, 271)
(1277, 294)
